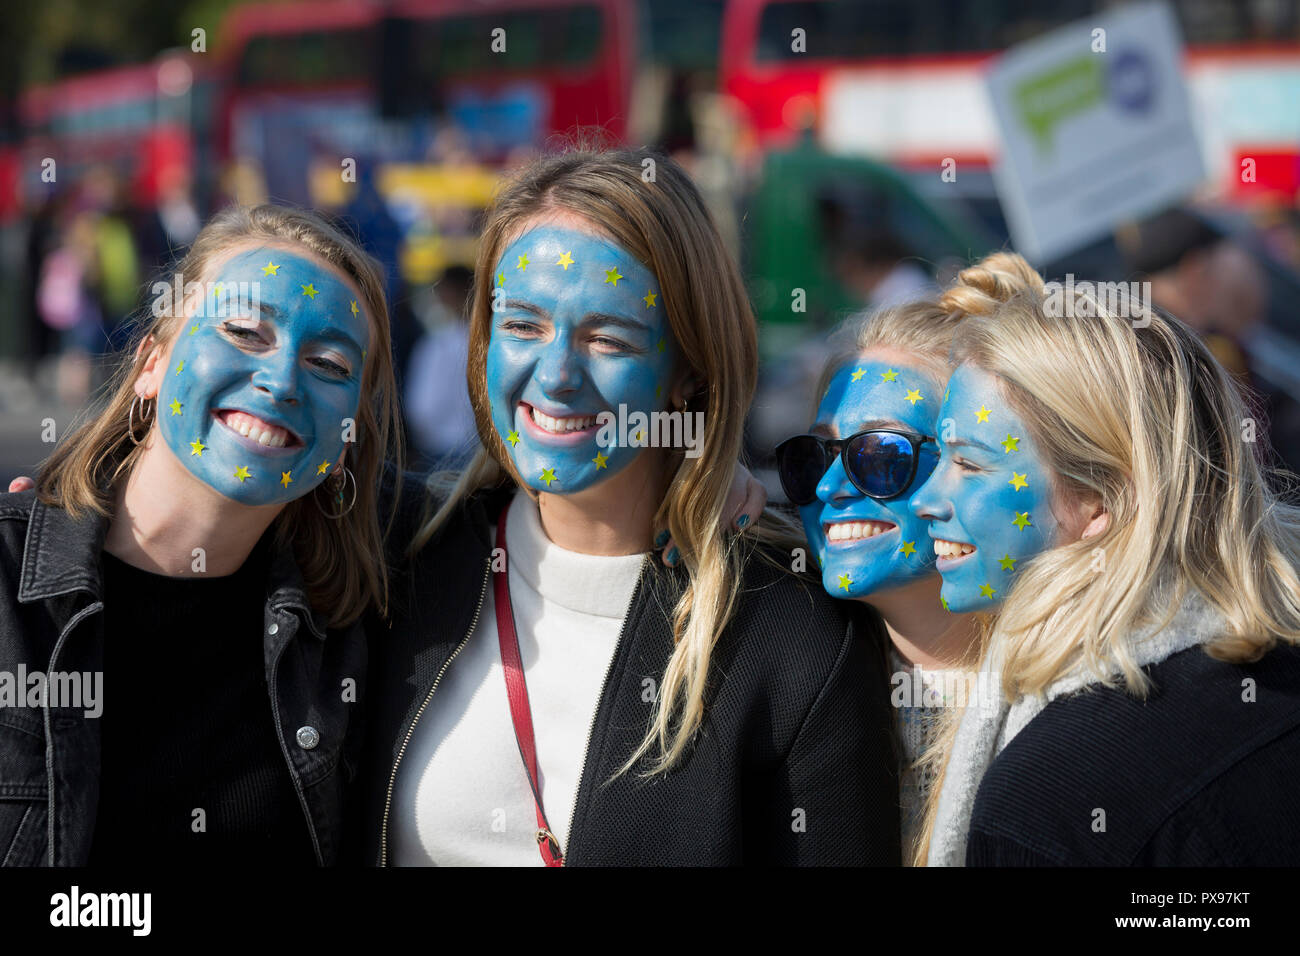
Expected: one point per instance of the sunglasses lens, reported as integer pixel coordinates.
(880, 463)
(801, 462)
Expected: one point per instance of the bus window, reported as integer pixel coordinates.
(310, 58)
(551, 38)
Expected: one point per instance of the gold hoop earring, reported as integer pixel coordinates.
(337, 493)
(130, 417)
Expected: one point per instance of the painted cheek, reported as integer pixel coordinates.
(810, 515)
(508, 367)
(332, 407)
(201, 367)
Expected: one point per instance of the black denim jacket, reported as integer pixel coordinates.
(51, 621)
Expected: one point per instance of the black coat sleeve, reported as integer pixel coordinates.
(837, 803)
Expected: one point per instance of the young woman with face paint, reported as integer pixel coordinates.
(720, 711)
(207, 544)
(1095, 494)
(871, 446)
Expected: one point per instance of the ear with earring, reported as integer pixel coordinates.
(148, 404)
(146, 416)
(691, 391)
(336, 487)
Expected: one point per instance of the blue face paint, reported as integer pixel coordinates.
(287, 370)
(990, 490)
(578, 328)
(862, 395)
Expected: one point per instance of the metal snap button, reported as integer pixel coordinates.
(308, 737)
(273, 629)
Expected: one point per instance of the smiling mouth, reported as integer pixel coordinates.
(256, 431)
(949, 553)
(848, 533)
(565, 426)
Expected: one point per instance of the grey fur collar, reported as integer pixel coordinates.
(992, 723)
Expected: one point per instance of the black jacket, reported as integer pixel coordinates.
(1195, 775)
(51, 622)
(795, 760)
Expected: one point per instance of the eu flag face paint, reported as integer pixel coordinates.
(259, 386)
(864, 544)
(578, 328)
(989, 498)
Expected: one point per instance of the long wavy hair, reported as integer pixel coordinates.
(342, 561)
(665, 224)
(1131, 412)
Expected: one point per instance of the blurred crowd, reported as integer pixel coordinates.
(92, 251)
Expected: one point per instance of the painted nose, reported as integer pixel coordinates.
(835, 483)
(277, 376)
(929, 503)
(559, 372)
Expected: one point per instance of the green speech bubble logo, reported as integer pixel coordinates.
(1047, 98)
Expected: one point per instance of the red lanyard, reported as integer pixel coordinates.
(517, 691)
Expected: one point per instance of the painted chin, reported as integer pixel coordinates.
(950, 555)
(859, 536)
(262, 438)
(561, 431)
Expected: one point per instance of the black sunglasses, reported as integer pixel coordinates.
(881, 462)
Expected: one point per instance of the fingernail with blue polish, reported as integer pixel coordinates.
(671, 557)
(742, 521)
(661, 538)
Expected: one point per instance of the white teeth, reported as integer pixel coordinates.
(952, 549)
(270, 436)
(562, 425)
(852, 530)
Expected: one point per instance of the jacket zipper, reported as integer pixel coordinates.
(410, 731)
(591, 730)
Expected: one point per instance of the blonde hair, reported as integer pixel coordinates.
(665, 225)
(924, 329)
(1136, 415)
(342, 561)
(927, 328)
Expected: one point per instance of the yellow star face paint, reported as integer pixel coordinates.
(988, 500)
(866, 544)
(577, 333)
(262, 389)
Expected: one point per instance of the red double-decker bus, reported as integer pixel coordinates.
(366, 77)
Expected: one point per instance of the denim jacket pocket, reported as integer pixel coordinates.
(24, 807)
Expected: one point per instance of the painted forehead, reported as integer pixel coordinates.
(557, 267)
(299, 292)
(976, 411)
(871, 390)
